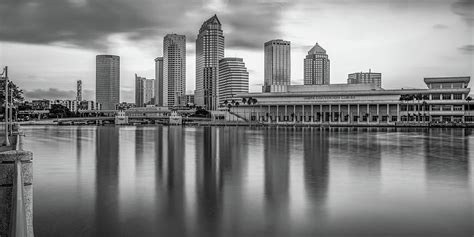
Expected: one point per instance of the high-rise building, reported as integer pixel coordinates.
(79, 90)
(174, 69)
(107, 88)
(317, 67)
(144, 91)
(159, 81)
(365, 78)
(209, 50)
(233, 78)
(277, 65)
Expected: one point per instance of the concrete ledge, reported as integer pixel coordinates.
(7, 172)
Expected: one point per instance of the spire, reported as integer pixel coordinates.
(317, 50)
(211, 21)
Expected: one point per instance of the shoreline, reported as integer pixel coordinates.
(247, 124)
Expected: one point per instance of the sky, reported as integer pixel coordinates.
(50, 44)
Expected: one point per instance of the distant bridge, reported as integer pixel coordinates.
(132, 119)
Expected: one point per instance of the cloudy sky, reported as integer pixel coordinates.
(49, 44)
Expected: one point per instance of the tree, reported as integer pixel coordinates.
(468, 99)
(58, 110)
(244, 100)
(14, 90)
(226, 102)
(254, 101)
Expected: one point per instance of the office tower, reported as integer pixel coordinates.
(174, 69)
(316, 67)
(365, 78)
(233, 78)
(209, 50)
(107, 88)
(277, 65)
(159, 81)
(79, 90)
(144, 91)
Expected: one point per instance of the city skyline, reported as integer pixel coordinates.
(440, 37)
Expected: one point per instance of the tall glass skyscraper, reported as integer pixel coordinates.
(174, 69)
(209, 50)
(233, 78)
(316, 67)
(277, 65)
(107, 81)
(159, 81)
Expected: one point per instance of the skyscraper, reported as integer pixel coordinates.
(107, 86)
(79, 90)
(174, 69)
(209, 50)
(233, 78)
(365, 78)
(159, 81)
(144, 91)
(277, 65)
(316, 67)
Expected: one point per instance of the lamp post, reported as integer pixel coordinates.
(5, 77)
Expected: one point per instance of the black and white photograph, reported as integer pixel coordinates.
(245, 118)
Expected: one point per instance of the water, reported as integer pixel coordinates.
(216, 181)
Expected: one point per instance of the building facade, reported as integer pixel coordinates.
(444, 101)
(144, 91)
(317, 67)
(365, 78)
(209, 50)
(79, 90)
(174, 69)
(159, 81)
(189, 99)
(277, 65)
(233, 78)
(107, 80)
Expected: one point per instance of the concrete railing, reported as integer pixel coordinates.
(16, 190)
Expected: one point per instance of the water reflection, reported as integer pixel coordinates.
(221, 181)
(107, 182)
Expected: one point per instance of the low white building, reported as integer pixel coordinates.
(443, 101)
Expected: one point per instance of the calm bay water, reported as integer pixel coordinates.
(216, 181)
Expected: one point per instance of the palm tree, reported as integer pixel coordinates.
(244, 100)
(468, 99)
(249, 101)
(254, 101)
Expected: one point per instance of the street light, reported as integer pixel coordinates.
(5, 77)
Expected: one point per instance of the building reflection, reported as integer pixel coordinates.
(447, 156)
(233, 162)
(277, 175)
(316, 165)
(107, 182)
(208, 203)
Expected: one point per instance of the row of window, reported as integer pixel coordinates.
(447, 85)
(446, 96)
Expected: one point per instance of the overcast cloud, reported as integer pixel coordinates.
(49, 44)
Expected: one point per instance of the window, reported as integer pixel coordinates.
(435, 108)
(446, 96)
(457, 107)
(447, 108)
(446, 85)
(435, 96)
(435, 85)
(457, 96)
